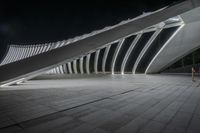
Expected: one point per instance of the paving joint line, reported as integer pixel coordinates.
(87, 103)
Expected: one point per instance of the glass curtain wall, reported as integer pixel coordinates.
(185, 64)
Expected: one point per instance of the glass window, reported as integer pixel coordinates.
(188, 60)
(197, 56)
(177, 64)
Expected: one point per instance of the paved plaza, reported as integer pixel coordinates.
(102, 104)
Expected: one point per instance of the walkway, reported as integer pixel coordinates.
(103, 104)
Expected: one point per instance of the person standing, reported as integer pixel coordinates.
(193, 74)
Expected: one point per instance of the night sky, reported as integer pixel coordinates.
(34, 22)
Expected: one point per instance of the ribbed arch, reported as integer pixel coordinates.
(151, 39)
(100, 60)
(78, 66)
(96, 61)
(155, 46)
(64, 69)
(88, 64)
(92, 62)
(23, 49)
(75, 67)
(136, 51)
(69, 67)
(7, 56)
(110, 56)
(122, 52)
(81, 65)
(105, 58)
(84, 64)
(72, 67)
(129, 52)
